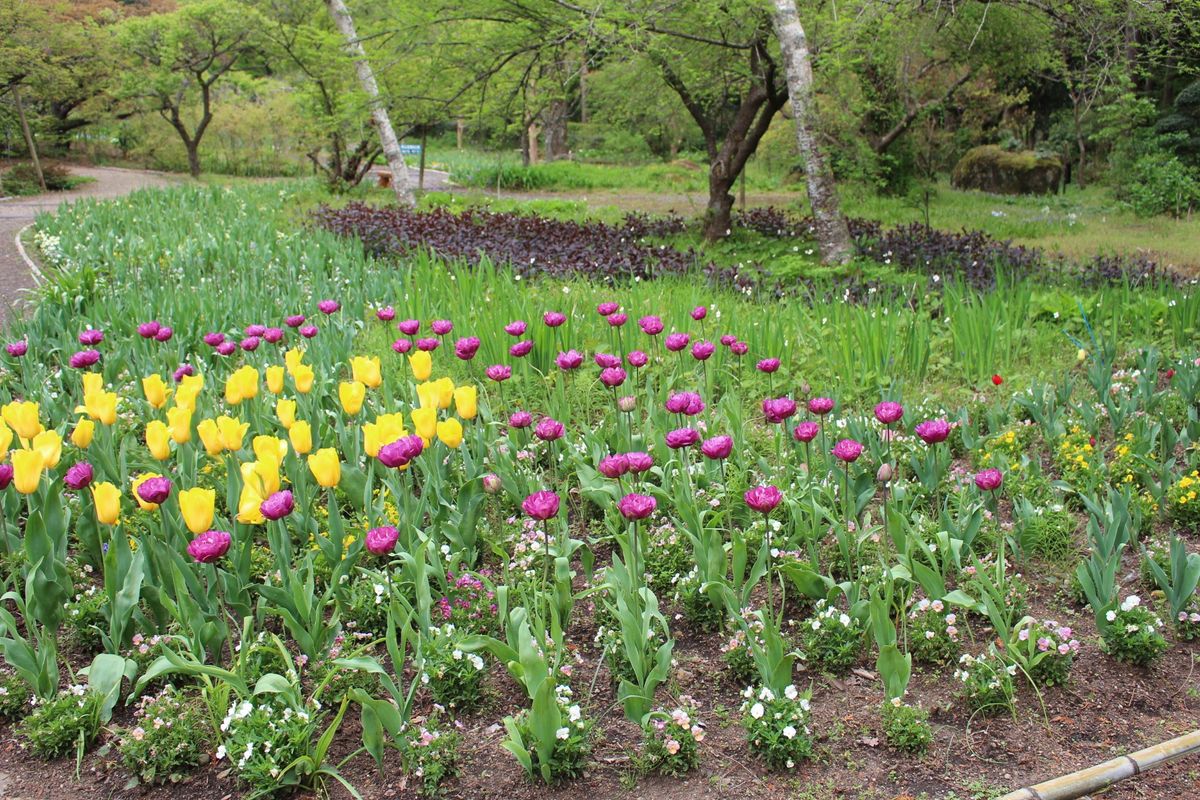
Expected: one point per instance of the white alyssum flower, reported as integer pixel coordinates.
(757, 711)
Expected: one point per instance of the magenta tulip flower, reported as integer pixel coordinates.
(402, 346)
(521, 349)
(466, 347)
(553, 319)
(699, 313)
(91, 337)
(728, 339)
(763, 499)
(429, 344)
(256, 330)
(498, 372)
(6, 475)
(182, 371)
(441, 326)
(401, 452)
(778, 409)
(616, 320)
(703, 350)
(612, 377)
(148, 330)
(637, 359)
(677, 341)
(210, 546)
(278, 505)
(520, 419)
(768, 365)
(739, 348)
(273, 335)
(607, 309)
(847, 450)
(636, 506)
(155, 490)
(250, 343)
(541, 505)
(639, 462)
(806, 431)
(328, 306)
(572, 359)
(820, 406)
(214, 339)
(651, 326)
(888, 412)
(164, 334)
(84, 359)
(717, 448)
(549, 430)
(79, 476)
(385, 314)
(382, 540)
(295, 320)
(309, 331)
(682, 437)
(687, 403)
(226, 349)
(989, 480)
(606, 360)
(409, 327)
(933, 431)
(515, 328)
(613, 466)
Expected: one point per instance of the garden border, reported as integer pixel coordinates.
(1100, 776)
(38, 276)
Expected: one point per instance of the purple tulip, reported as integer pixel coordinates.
(607, 309)
(79, 476)
(402, 346)
(651, 326)
(294, 321)
(778, 409)
(250, 343)
(91, 337)
(688, 403)
(989, 480)
(637, 359)
(382, 540)
(226, 349)
(606, 360)
(541, 505)
(699, 313)
(728, 339)
(402, 451)
(521, 348)
(553, 319)
(428, 344)
(492, 483)
(18, 348)
(441, 326)
(888, 412)
(639, 462)
(763, 499)
(739, 348)
(409, 327)
(933, 431)
(256, 330)
(148, 330)
(498, 372)
(820, 406)
(164, 334)
(214, 339)
(614, 466)
(677, 341)
(636, 506)
(278, 505)
(717, 448)
(520, 419)
(328, 306)
(516, 328)
(385, 314)
(308, 331)
(155, 490)
(183, 370)
(702, 350)
(209, 546)
(548, 430)
(84, 359)
(768, 365)
(617, 320)
(466, 347)
(806, 431)
(612, 377)
(682, 437)
(273, 335)
(6, 475)
(572, 359)
(847, 450)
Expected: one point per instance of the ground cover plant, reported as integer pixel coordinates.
(406, 523)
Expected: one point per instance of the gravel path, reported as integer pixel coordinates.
(17, 212)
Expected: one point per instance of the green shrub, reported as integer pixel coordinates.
(167, 739)
(1160, 183)
(21, 179)
(906, 727)
(58, 726)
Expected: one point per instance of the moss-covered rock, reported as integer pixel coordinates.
(991, 168)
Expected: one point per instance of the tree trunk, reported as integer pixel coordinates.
(555, 130)
(1080, 140)
(193, 155)
(718, 216)
(383, 124)
(33, 154)
(833, 236)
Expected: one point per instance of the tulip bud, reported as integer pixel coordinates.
(884, 475)
(627, 403)
(492, 483)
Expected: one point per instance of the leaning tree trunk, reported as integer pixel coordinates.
(718, 215)
(833, 236)
(379, 115)
(28, 134)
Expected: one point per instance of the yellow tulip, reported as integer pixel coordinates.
(197, 506)
(92, 382)
(466, 400)
(326, 467)
(450, 432)
(108, 502)
(81, 437)
(179, 419)
(6, 437)
(155, 389)
(249, 506)
(366, 371)
(270, 447)
(101, 406)
(425, 423)
(263, 475)
(22, 417)
(292, 359)
(386, 429)
(286, 411)
(352, 394)
(427, 395)
(210, 436)
(188, 390)
(445, 392)
(241, 385)
(275, 379)
(421, 364)
(231, 430)
(49, 444)
(27, 470)
(301, 436)
(138, 481)
(158, 439)
(303, 376)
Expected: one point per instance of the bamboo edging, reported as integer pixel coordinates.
(1077, 784)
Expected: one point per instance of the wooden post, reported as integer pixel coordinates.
(421, 169)
(37, 165)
